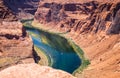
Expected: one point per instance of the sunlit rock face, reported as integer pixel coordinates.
(15, 45)
(33, 71)
(23, 9)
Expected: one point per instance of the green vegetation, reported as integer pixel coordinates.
(84, 62)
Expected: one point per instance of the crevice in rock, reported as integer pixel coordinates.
(24, 33)
(115, 10)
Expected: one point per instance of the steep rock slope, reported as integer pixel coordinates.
(94, 26)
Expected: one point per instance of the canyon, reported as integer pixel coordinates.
(93, 25)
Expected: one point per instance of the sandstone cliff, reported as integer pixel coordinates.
(83, 18)
(93, 25)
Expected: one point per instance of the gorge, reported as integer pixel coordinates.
(59, 27)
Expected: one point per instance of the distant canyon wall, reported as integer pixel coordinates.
(81, 17)
(5, 13)
(23, 9)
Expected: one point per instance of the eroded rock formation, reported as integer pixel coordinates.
(84, 18)
(33, 71)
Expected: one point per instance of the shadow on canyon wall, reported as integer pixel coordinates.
(23, 9)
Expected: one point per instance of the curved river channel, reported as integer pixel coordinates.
(58, 50)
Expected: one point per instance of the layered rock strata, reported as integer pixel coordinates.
(94, 26)
(82, 18)
(15, 45)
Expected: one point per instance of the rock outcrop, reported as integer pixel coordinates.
(93, 25)
(33, 71)
(15, 45)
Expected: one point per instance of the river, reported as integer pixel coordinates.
(58, 50)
